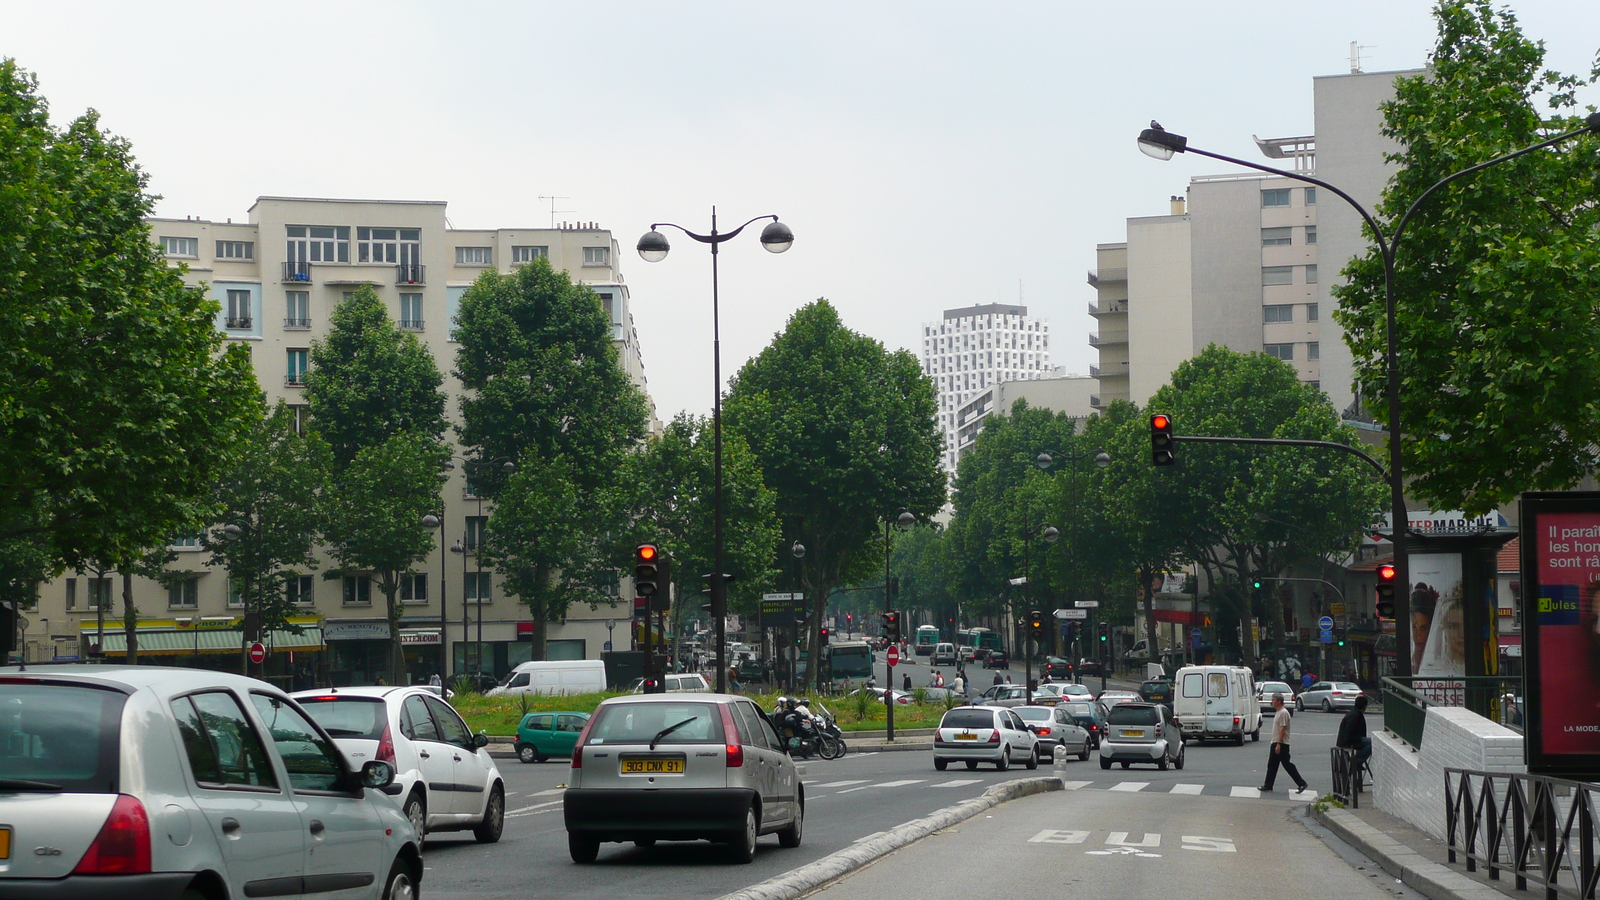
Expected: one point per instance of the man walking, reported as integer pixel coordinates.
(1278, 755)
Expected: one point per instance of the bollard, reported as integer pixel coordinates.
(1060, 756)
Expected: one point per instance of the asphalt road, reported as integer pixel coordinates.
(847, 800)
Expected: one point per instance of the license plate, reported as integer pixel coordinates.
(1132, 732)
(652, 767)
(966, 737)
(5, 843)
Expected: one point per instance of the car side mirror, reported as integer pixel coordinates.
(481, 739)
(377, 774)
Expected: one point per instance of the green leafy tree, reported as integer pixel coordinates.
(1495, 277)
(921, 560)
(119, 404)
(845, 434)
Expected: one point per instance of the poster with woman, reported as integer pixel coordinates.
(1438, 638)
(1561, 630)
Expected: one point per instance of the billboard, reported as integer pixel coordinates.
(1438, 616)
(1561, 629)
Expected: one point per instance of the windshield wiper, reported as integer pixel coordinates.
(23, 784)
(670, 729)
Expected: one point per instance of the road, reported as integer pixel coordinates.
(847, 799)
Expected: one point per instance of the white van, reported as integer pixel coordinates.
(943, 655)
(555, 676)
(1216, 702)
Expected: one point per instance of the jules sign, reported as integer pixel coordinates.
(1561, 629)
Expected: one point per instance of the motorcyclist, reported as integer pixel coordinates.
(789, 720)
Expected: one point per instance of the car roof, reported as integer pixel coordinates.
(673, 697)
(368, 691)
(140, 677)
(556, 712)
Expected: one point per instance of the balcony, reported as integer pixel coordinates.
(239, 322)
(297, 271)
(411, 324)
(296, 324)
(295, 379)
(1101, 401)
(1108, 308)
(1106, 338)
(1114, 370)
(409, 274)
(1107, 276)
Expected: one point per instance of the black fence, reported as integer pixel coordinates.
(1347, 776)
(1539, 828)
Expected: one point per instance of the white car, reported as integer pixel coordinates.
(446, 778)
(992, 734)
(690, 682)
(1264, 692)
(153, 781)
(1062, 690)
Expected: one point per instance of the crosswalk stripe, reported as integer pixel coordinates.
(1187, 788)
(957, 783)
(884, 784)
(1240, 790)
(1075, 785)
(840, 783)
(1129, 786)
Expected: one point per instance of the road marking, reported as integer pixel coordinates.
(529, 810)
(838, 783)
(1187, 788)
(884, 784)
(1054, 836)
(865, 755)
(546, 793)
(1242, 791)
(1074, 785)
(957, 783)
(1129, 786)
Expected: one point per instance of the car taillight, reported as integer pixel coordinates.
(386, 749)
(994, 736)
(1236, 721)
(123, 845)
(583, 736)
(735, 747)
(1043, 732)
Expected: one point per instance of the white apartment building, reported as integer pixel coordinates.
(1068, 394)
(277, 276)
(975, 348)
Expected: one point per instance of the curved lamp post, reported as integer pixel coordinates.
(653, 247)
(1158, 143)
(1050, 535)
(904, 521)
(1048, 458)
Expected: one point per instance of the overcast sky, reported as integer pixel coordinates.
(927, 155)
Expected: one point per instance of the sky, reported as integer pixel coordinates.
(927, 156)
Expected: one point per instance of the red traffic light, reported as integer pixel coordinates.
(1386, 572)
(1160, 422)
(646, 551)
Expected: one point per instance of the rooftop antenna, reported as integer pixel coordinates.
(1355, 57)
(553, 209)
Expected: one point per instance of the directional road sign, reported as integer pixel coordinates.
(1071, 614)
(1087, 604)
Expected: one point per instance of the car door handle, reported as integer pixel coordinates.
(458, 758)
(423, 754)
(230, 824)
(317, 827)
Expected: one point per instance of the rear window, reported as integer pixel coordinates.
(1133, 715)
(638, 723)
(1346, 686)
(1079, 709)
(968, 718)
(1033, 713)
(347, 717)
(65, 736)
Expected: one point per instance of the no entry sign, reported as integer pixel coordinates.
(893, 656)
(258, 653)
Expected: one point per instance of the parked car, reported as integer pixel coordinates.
(1328, 696)
(1088, 715)
(542, 735)
(691, 682)
(974, 734)
(1141, 733)
(681, 767)
(448, 781)
(996, 659)
(944, 654)
(1138, 653)
(153, 781)
(1054, 727)
(554, 676)
(1266, 689)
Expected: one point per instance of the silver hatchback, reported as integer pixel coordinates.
(681, 767)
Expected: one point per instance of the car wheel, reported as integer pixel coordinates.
(583, 848)
(1239, 739)
(742, 847)
(494, 817)
(1004, 762)
(1256, 735)
(1083, 755)
(1033, 759)
(528, 754)
(940, 764)
(1105, 763)
(1299, 705)
(1178, 764)
(972, 764)
(1327, 706)
(416, 810)
(789, 837)
(399, 885)
(1162, 762)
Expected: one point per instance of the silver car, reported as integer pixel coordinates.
(1328, 696)
(681, 767)
(992, 734)
(1264, 692)
(1055, 727)
(151, 781)
(1141, 733)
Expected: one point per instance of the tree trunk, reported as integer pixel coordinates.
(397, 653)
(130, 619)
(1153, 643)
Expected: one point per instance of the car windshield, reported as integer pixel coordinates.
(968, 718)
(638, 723)
(346, 716)
(59, 737)
(1134, 715)
(1033, 713)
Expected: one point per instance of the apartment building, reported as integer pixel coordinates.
(277, 275)
(974, 348)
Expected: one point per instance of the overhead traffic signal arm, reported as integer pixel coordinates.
(1281, 442)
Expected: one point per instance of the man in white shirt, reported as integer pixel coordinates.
(1278, 755)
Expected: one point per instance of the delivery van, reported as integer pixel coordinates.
(1216, 703)
(555, 676)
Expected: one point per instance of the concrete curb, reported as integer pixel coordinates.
(834, 866)
(1434, 880)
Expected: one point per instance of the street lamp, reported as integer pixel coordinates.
(798, 551)
(476, 546)
(1044, 461)
(903, 521)
(653, 247)
(1050, 535)
(1158, 143)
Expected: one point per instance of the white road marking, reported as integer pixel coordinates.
(957, 783)
(1074, 785)
(1129, 786)
(864, 755)
(1242, 791)
(884, 784)
(546, 793)
(529, 810)
(839, 783)
(1187, 788)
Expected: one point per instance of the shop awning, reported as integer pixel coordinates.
(176, 643)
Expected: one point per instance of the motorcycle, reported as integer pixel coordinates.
(810, 735)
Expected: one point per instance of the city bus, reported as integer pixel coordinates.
(980, 638)
(849, 659)
(927, 639)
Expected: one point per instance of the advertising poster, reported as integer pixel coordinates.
(1561, 559)
(1438, 626)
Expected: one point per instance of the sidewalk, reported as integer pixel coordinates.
(1413, 856)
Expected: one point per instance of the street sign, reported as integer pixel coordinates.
(892, 656)
(783, 604)
(258, 653)
(1072, 614)
(1336, 608)
(1325, 623)
(796, 595)
(1326, 637)
(1086, 604)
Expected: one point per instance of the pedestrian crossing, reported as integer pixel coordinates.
(1181, 789)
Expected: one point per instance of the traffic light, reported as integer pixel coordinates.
(1256, 581)
(641, 608)
(1105, 632)
(1162, 448)
(894, 588)
(646, 562)
(1384, 592)
(1036, 624)
(824, 634)
(891, 626)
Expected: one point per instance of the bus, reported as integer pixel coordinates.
(849, 659)
(980, 638)
(927, 638)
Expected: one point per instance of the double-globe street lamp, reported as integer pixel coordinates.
(653, 247)
(1159, 143)
(460, 549)
(903, 520)
(1050, 535)
(1044, 461)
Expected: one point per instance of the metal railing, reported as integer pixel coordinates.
(1406, 700)
(238, 322)
(297, 270)
(1347, 781)
(410, 274)
(297, 323)
(1541, 828)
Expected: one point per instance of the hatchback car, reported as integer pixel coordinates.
(1264, 692)
(681, 767)
(1109, 700)
(992, 734)
(1005, 695)
(1089, 716)
(252, 797)
(996, 659)
(1057, 668)
(1054, 727)
(1141, 733)
(543, 735)
(1157, 690)
(1328, 696)
(693, 682)
(448, 781)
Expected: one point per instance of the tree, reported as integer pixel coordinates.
(1495, 279)
(119, 405)
(922, 563)
(845, 434)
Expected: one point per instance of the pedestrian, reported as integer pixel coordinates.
(906, 682)
(1353, 733)
(938, 679)
(998, 679)
(733, 679)
(959, 685)
(1306, 680)
(1278, 753)
(1008, 679)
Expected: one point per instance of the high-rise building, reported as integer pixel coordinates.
(974, 348)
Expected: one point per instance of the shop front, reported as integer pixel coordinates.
(359, 650)
(215, 643)
(424, 653)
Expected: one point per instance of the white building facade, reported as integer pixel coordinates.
(974, 348)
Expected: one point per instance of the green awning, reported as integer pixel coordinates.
(218, 640)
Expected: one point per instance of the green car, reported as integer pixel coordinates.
(545, 734)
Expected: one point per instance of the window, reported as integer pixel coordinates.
(606, 304)
(1277, 237)
(473, 533)
(479, 587)
(413, 588)
(300, 590)
(596, 256)
(1315, 385)
(1311, 196)
(1311, 234)
(1277, 274)
(302, 416)
(357, 590)
(184, 541)
(1311, 312)
(224, 749)
(415, 722)
(310, 759)
(1278, 313)
(180, 246)
(1284, 352)
(235, 594)
(451, 728)
(1191, 684)
(389, 245)
(184, 594)
(411, 311)
(99, 593)
(295, 366)
(474, 256)
(1314, 350)
(319, 243)
(1311, 274)
(528, 254)
(72, 593)
(1276, 197)
(236, 250)
(238, 309)
(297, 309)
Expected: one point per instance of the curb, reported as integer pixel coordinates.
(1437, 881)
(834, 866)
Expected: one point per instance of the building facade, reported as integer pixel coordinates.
(277, 277)
(974, 348)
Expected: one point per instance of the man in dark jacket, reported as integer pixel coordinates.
(1353, 732)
